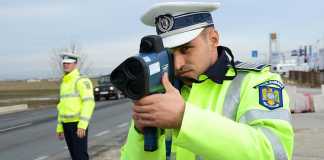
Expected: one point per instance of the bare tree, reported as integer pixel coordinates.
(56, 61)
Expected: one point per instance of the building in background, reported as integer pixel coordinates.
(275, 57)
(305, 58)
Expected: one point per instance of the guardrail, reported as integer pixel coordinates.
(11, 109)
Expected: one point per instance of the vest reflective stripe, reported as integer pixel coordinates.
(255, 114)
(232, 98)
(87, 99)
(75, 116)
(84, 118)
(72, 95)
(70, 116)
(278, 150)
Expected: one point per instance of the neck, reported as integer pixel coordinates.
(214, 56)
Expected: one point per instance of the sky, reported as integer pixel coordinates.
(110, 31)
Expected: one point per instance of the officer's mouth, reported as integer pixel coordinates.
(186, 75)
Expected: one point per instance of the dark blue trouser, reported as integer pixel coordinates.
(78, 147)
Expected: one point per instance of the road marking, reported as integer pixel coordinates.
(65, 147)
(122, 125)
(102, 133)
(14, 127)
(41, 158)
(9, 119)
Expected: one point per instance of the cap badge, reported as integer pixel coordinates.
(165, 22)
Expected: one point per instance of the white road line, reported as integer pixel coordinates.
(102, 133)
(41, 158)
(65, 147)
(9, 119)
(122, 125)
(14, 127)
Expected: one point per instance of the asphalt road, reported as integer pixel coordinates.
(30, 135)
(309, 136)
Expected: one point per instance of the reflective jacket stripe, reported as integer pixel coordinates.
(75, 116)
(69, 116)
(84, 118)
(277, 147)
(232, 98)
(87, 99)
(255, 114)
(72, 95)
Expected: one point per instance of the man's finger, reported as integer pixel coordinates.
(143, 109)
(166, 83)
(150, 99)
(81, 134)
(146, 123)
(145, 116)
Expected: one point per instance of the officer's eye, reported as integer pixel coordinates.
(185, 49)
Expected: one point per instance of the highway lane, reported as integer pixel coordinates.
(31, 135)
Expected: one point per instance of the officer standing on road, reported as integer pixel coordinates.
(75, 108)
(225, 110)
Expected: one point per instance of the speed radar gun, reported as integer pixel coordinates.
(141, 75)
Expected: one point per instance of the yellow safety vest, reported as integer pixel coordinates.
(76, 100)
(247, 118)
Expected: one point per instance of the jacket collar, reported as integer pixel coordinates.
(218, 70)
(71, 75)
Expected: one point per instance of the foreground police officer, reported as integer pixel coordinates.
(75, 108)
(224, 110)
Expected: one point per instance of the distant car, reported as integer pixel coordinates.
(105, 89)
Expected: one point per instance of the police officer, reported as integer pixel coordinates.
(75, 108)
(225, 110)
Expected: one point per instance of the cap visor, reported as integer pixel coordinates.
(180, 38)
(68, 61)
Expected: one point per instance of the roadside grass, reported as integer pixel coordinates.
(34, 93)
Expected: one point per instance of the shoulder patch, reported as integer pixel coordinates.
(85, 81)
(250, 66)
(270, 94)
(87, 84)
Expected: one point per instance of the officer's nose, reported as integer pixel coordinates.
(179, 60)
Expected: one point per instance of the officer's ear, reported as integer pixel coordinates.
(213, 36)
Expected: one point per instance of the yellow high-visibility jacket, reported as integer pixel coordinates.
(247, 118)
(76, 101)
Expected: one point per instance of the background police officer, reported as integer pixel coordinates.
(225, 110)
(75, 108)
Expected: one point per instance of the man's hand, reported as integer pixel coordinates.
(81, 132)
(60, 135)
(160, 110)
